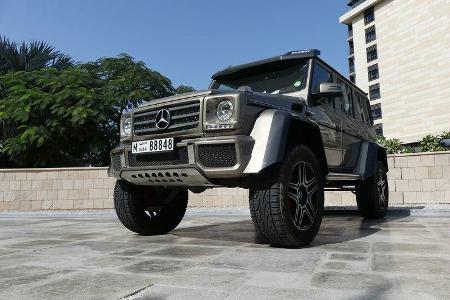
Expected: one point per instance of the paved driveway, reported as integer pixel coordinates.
(211, 255)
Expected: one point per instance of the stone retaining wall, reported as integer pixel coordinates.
(414, 179)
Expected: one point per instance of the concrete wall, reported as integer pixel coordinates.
(413, 178)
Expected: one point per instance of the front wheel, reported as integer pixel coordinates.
(289, 212)
(372, 194)
(149, 210)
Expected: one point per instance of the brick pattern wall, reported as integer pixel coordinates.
(53, 189)
(421, 179)
(414, 179)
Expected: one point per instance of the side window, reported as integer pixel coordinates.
(320, 75)
(339, 101)
(367, 109)
(362, 108)
(348, 102)
(329, 101)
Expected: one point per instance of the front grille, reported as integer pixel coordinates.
(177, 157)
(183, 116)
(217, 155)
(115, 162)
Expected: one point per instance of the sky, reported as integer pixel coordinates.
(185, 40)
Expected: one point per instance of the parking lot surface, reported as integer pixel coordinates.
(217, 255)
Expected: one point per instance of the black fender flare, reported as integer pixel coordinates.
(270, 135)
(273, 133)
(370, 153)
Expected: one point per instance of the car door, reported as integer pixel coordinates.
(351, 141)
(324, 113)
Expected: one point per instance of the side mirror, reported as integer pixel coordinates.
(445, 143)
(328, 89)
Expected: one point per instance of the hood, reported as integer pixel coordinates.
(194, 94)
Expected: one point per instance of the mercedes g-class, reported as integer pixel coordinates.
(287, 128)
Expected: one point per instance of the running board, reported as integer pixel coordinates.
(342, 177)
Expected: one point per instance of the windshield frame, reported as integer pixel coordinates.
(215, 83)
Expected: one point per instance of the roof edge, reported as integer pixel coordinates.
(354, 12)
(298, 54)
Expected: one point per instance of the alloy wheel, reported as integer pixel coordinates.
(301, 195)
(381, 187)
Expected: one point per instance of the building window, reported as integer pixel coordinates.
(372, 53)
(352, 78)
(354, 3)
(374, 91)
(351, 48)
(371, 34)
(376, 112)
(373, 72)
(369, 16)
(378, 129)
(351, 65)
(350, 30)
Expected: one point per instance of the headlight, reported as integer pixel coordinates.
(126, 127)
(225, 110)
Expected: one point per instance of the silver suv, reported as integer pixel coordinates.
(287, 128)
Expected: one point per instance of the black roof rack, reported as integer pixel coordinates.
(297, 54)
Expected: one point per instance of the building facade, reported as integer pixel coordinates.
(399, 53)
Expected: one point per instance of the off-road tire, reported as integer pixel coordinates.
(372, 194)
(131, 204)
(271, 206)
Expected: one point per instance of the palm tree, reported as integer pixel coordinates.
(30, 56)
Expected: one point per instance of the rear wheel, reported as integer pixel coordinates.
(149, 210)
(372, 194)
(289, 211)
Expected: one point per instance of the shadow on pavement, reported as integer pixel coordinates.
(338, 226)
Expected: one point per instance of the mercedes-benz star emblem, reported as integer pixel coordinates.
(162, 119)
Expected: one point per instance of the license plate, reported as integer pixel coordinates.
(157, 145)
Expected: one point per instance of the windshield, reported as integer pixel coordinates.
(280, 79)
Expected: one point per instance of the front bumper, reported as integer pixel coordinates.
(194, 162)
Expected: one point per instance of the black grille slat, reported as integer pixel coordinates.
(176, 117)
(177, 157)
(194, 105)
(115, 161)
(145, 122)
(184, 116)
(217, 155)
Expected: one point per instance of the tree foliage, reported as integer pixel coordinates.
(59, 117)
(394, 146)
(184, 89)
(127, 82)
(431, 143)
(53, 117)
(30, 56)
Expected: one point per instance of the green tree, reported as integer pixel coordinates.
(30, 56)
(431, 143)
(184, 89)
(127, 83)
(60, 118)
(393, 146)
(71, 117)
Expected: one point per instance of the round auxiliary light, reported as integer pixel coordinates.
(225, 110)
(126, 126)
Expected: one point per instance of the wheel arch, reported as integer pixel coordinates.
(275, 131)
(369, 155)
(308, 134)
